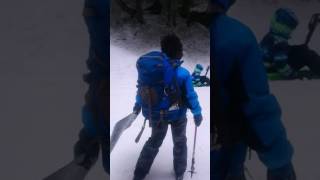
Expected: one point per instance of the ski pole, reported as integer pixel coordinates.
(315, 19)
(192, 171)
(207, 70)
(141, 131)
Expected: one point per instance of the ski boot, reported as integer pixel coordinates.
(197, 70)
(197, 79)
(196, 75)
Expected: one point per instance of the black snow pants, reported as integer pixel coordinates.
(93, 136)
(151, 147)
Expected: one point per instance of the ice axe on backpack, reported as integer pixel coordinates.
(141, 131)
(120, 127)
(193, 161)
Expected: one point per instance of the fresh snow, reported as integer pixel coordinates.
(125, 154)
(130, 40)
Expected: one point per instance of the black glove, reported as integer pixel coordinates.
(137, 109)
(197, 119)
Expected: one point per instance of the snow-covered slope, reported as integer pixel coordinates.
(124, 156)
(130, 40)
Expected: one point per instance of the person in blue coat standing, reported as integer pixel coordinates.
(174, 115)
(245, 113)
(94, 135)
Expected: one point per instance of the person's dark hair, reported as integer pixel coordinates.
(171, 45)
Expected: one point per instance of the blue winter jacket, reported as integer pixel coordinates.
(96, 13)
(237, 60)
(96, 16)
(189, 96)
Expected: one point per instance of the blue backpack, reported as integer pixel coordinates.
(157, 84)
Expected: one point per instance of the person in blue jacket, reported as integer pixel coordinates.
(280, 57)
(245, 113)
(275, 46)
(172, 48)
(94, 135)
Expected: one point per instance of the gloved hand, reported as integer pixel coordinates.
(197, 119)
(137, 109)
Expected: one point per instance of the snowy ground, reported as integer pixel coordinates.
(130, 40)
(125, 154)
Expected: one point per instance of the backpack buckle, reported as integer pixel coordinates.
(174, 107)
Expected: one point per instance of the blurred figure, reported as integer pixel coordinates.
(95, 113)
(282, 60)
(245, 113)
